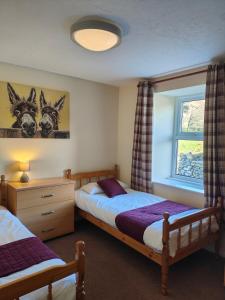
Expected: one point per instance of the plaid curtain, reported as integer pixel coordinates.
(141, 172)
(214, 135)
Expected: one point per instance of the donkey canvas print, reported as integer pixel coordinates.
(33, 112)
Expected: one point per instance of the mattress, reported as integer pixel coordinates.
(11, 229)
(106, 209)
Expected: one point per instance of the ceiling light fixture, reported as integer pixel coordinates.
(96, 34)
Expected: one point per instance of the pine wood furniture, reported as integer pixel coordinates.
(45, 206)
(163, 259)
(27, 284)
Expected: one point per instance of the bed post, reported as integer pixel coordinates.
(3, 191)
(80, 259)
(165, 255)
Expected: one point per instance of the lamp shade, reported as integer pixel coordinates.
(24, 166)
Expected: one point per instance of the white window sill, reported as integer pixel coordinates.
(171, 182)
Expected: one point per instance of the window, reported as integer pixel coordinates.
(188, 139)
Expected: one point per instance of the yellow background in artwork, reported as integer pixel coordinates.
(6, 118)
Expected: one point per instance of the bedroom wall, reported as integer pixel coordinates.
(93, 128)
(126, 116)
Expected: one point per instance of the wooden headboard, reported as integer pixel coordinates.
(3, 191)
(85, 177)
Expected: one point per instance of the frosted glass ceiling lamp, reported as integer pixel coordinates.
(96, 34)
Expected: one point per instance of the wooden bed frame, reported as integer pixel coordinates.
(163, 258)
(27, 284)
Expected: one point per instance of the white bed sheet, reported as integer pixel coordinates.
(11, 229)
(106, 209)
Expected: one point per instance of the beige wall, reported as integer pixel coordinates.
(126, 116)
(93, 127)
(181, 82)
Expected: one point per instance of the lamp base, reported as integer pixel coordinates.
(24, 178)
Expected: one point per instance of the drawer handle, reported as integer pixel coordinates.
(47, 196)
(47, 230)
(48, 213)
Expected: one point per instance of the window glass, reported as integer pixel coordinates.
(192, 116)
(190, 159)
(188, 139)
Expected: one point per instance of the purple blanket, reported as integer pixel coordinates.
(135, 221)
(22, 254)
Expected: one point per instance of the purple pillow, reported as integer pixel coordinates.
(111, 187)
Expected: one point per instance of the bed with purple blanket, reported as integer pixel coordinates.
(23, 256)
(162, 230)
(140, 216)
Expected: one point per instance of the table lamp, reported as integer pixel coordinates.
(24, 167)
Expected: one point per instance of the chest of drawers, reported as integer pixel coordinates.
(45, 207)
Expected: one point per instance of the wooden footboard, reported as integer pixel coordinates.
(25, 285)
(164, 259)
(193, 244)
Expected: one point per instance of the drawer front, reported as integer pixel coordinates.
(48, 212)
(50, 229)
(43, 196)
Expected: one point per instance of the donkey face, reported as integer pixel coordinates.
(50, 115)
(24, 110)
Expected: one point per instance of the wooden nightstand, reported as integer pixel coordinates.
(45, 206)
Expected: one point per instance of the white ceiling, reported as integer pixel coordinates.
(160, 36)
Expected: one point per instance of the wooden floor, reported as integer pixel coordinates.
(122, 273)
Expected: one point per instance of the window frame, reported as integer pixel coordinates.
(190, 136)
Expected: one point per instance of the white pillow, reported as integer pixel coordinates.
(123, 184)
(93, 188)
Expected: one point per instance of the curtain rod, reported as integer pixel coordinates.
(179, 76)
